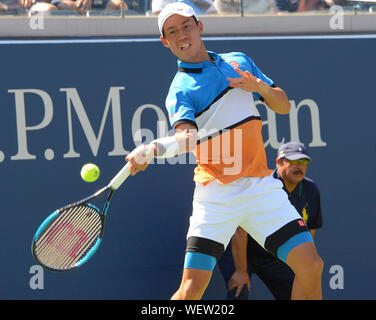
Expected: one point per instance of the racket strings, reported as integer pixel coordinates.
(64, 241)
(54, 240)
(69, 237)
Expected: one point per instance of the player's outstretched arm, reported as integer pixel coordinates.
(184, 140)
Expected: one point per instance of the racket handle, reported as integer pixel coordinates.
(117, 181)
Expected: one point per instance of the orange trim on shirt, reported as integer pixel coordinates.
(238, 152)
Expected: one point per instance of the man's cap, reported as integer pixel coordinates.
(293, 151)
(179, 8)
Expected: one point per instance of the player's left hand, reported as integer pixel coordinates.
(248, 82)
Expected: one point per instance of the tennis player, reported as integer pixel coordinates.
(211, 106)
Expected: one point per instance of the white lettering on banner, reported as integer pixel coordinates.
(139, 134)
(294, 124)
(315, 121)
(113, 99)
(23, 153)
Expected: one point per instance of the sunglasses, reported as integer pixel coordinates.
(303, 162)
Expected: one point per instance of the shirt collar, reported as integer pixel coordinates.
(197, 67)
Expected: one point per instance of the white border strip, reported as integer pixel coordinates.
(224, 38)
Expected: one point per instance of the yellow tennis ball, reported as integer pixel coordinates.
(90, 172)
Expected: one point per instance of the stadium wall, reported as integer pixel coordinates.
(337, 21)
(64, 103)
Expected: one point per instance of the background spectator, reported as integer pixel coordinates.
(247, 7)
(302, 5)
(200, 6)
(76, 6)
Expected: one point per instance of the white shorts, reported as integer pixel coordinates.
(259, 205)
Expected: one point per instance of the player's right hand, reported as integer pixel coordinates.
(140, 158)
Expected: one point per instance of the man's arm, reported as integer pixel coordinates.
(305, 5)
(27, 3)
(239, 253)
(274, 97)
(185, 140)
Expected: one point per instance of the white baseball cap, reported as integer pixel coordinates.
(179, 8)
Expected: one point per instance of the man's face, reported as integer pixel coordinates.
(183, 36)
(292, 171)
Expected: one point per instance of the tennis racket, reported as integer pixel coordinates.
(70, 236)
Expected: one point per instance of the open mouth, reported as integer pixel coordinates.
(185, 46)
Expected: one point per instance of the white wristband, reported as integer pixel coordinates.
(167, 147)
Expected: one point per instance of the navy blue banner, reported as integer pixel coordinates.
(63, 104)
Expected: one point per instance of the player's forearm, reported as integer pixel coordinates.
(275, 98)
(184, 140)
(187, 140)
(239, 249)
(167, 147)
(186, 136)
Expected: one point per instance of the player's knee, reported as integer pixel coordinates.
(317, 265)
(307, 264)
(313, 264)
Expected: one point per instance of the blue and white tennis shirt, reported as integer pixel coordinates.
(229, 125)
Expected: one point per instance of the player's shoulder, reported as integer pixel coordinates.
(237, 56)
(179, 88)
(234, 54)
(179, 83)
(238, 59)
(183, 80)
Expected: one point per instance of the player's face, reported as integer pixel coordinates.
(183, 36)
(292, 171)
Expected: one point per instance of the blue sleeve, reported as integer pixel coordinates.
(179, 107)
